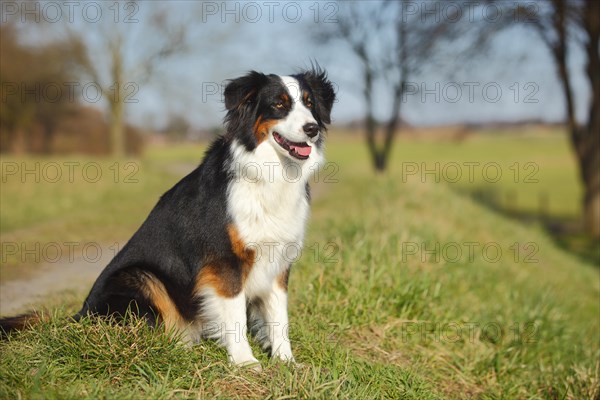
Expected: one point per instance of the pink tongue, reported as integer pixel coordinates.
(303, 151)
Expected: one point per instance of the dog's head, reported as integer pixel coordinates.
(287, 112)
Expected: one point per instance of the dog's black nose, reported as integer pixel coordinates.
(311, 129)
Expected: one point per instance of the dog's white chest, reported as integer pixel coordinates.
(269, 210)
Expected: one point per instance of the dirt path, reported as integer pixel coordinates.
(50, 279)
(19, 295)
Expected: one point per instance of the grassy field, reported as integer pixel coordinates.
(406, 288)
(94, 201)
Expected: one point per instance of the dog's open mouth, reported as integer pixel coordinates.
(301, 151)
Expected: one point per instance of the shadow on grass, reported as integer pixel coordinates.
(567, 232)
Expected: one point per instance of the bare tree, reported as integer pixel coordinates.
(553, 28)
(394, 44)
(561, 25)
(124, 53)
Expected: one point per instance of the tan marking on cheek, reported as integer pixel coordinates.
(261, 129)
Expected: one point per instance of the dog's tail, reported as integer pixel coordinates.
(20, 322)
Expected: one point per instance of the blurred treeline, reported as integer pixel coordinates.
(41, 111)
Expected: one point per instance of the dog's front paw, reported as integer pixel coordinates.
(290, 361)
(246, 362)
(252, 365)
(284, 354)
(287, 358)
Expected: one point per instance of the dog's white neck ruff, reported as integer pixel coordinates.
(267, 202)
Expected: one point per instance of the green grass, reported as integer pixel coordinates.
(370, 317)
(531, 165)
(47, 208)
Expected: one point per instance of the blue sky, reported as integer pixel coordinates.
(517, 80)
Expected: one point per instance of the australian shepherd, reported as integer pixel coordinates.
(210, 260)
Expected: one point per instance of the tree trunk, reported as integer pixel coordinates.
(117, 106)
(371, 131)
(381, 154)
(588, 148)
(590, 167)
(585, 139)
(117, 131)
(371, 124)
(49, 130)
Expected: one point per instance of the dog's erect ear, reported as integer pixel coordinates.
(243, 90)
(322, 90)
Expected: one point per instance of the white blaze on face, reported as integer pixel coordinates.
(291, 127)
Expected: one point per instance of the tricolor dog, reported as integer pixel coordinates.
(209, 260)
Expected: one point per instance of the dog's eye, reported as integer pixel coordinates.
(309, 103)
(279, 106)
